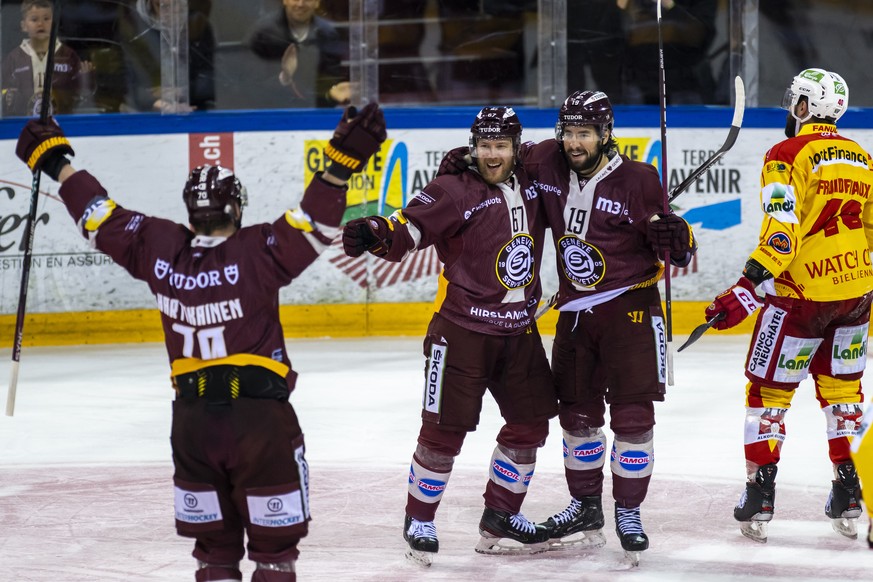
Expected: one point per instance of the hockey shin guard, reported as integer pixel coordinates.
(509, 476)
(584, 458)
(429, 475)
(843, 420)
(632, 462)
(764, 434)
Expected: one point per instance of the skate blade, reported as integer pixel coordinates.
(846, 527)
(580, 540)
(505, 547)
(419, 558)
(633, 558)
(754, 530)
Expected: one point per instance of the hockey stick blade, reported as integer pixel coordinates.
(544, 308)
(700, 330)
(736, 124)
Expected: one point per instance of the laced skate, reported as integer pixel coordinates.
(630, 532)
(755, 508)
(580, 525)
(422, 539)
(843, 505)
(503, 533)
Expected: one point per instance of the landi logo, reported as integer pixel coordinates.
(383, 186)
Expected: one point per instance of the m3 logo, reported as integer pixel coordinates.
(635, 316)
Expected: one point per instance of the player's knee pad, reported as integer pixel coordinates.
(830, 390)
(528, 435)
(440, 440)
(217, 572)
(509, 473)
(427, 484)
(632, 419)
(844, 420)
(633, 460)
(585, 451)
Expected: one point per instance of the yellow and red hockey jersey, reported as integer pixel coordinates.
(818, 225)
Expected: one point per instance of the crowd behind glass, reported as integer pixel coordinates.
(266, 54)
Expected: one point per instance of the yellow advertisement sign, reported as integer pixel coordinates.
(380, 188)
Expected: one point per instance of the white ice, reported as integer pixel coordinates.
(86, 494)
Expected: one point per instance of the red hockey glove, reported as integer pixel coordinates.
(358, 136)
(456, 161)
(42, 147)
(736, 303)
(669, 232)
(371, 233)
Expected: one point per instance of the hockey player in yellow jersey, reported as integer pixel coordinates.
(812, 265)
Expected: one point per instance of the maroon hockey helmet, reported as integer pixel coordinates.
(585, 108)
(209, 192)
(493, 123)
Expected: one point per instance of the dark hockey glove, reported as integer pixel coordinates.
(358, 136)
(734, 304)
(371, 233)
(669, 232)
(455, 161)
(42, 146)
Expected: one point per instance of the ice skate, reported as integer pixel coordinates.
(422, 539)
(844, 501)
(504, 534)
(578, 526)
(755, 508)
(630, 532)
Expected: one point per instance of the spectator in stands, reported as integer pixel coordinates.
(687, 30)
(309, 51)
(141, 35)
(24, 68)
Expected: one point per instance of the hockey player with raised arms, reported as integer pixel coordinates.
(812, 263)
(488, 229)
(237, 446)
(610, 338)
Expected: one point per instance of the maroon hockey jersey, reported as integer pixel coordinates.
(598, 225)
(218, 297)
(490, 241)
(21, 96)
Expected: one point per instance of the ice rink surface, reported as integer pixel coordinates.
(86, 490)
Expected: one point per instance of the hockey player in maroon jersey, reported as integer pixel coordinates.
(488, 230)
(237, 446)
(813, 264)
(605, 214)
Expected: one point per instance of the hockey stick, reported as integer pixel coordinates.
(31, 217)
(668, 303)
(700, 330)
(739, 109)
(547, 304)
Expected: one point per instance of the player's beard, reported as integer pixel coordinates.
(494, 175)
(587, 164)
(791, 126)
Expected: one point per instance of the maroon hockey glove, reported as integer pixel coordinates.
(358, 136)
(42, 147)
(734, 304)
(455, 161)
(669, 232)
(371, 233)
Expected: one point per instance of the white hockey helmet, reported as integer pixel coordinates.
(826, 94)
